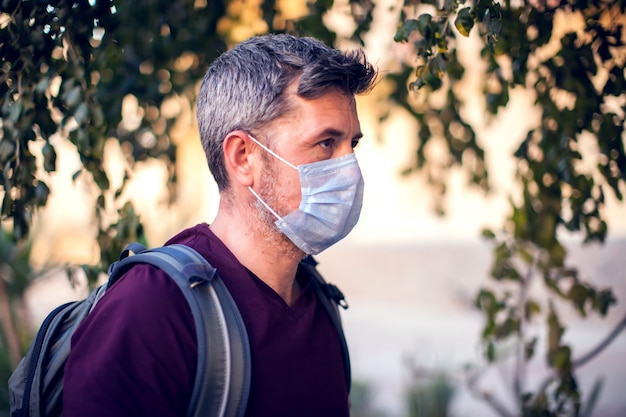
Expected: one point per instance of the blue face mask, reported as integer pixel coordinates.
(332, 196)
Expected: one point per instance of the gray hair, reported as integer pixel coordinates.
(244, 88)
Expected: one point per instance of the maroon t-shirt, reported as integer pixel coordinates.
(135, 354)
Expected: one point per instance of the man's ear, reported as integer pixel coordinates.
(238, 157)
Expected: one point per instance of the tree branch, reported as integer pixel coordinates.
(491, 400)
(589, 355)
(497, 406)
(519, 376)
(602, 345)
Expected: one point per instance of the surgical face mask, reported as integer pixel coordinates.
(332, 196)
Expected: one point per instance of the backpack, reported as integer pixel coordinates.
(223, 371)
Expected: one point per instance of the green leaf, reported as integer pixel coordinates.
(432, 76)
(555, 331)
(81, 114)
(419, 70)
(43, 119)
(526, 256)
(579, 294)
(495, 20)
(442, 47)
(491, 352)
(546, 232)
(81, 140)
(100, 202)
(415, 86)
(557, 254)
(604, 300)
(7, 150)
(404, 31)
(42, 192)
(101, 179)
(42, 85)
(489, 329)
(49, 158)
(464, 21)
(508, 327)
(505, 270)
(73, 96)
(615, 84)
(531, 309)
(529, 348)
(560, 359)
(7, 205)
(441, 63)
(15, 112)
(488, 234)
(486, 301)
(423, 25)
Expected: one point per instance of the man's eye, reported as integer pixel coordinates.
(355, 143)
(327, 144)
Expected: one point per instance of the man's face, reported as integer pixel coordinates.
(313, 130)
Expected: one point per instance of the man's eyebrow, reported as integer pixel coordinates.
(335, 133)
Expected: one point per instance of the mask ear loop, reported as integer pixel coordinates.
(264, 203)
(280, 158)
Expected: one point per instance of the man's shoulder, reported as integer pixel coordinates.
(194, 236)
(199, 237)
(143, 290)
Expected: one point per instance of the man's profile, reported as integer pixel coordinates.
(278, 122)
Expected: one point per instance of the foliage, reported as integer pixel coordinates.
(66, 68)
(578, 84)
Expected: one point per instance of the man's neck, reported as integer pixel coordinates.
(271, 258)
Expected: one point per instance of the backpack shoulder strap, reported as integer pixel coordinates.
(331, 298)
(222, 381)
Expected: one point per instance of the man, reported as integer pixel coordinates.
(278, 123)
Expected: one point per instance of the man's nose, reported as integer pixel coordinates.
(344, 148)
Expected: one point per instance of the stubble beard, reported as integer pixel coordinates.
(265, 221)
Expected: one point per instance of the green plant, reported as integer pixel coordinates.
(66, 68)
(577, 78)
(430, 398)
